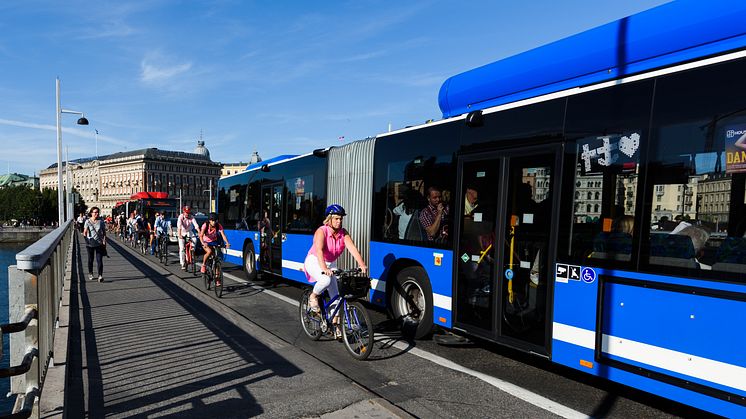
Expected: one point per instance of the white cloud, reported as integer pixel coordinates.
(157, 69)
(111, 29)
(83, 133)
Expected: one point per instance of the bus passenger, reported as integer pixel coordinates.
(405, 210)
(699, 238)
(329, 241)
(433, 216)
(623, 225)
(470, 201)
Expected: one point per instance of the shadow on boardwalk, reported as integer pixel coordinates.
(140, 346)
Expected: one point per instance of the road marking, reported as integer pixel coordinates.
(512, 389)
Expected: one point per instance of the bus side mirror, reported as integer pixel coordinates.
(265, 168)
(321, 152)
(474, 119)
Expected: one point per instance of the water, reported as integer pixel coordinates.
(7, 257)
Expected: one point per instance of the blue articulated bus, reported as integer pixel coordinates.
(584, 202)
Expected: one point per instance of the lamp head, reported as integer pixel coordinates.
(82, 121)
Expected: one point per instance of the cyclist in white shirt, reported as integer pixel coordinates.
(186, 225)
(161, 227)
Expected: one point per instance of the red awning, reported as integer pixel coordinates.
(149, 195)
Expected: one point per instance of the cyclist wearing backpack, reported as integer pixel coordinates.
(329, 241)
(142, 227)
(210, 235)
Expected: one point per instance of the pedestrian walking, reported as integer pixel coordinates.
(95, 242)
(80, 221)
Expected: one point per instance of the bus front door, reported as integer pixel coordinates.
(475, 253)
(270, 255)
(505, 246)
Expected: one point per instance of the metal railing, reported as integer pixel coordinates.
(35, 286)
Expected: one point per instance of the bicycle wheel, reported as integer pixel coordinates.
(311, 325)
(218, 276)
(357, 333)
(206, 275)
(192, 261)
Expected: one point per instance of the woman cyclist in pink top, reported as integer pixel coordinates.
(329, 241)
(211, 234)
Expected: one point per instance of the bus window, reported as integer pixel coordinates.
(606, 138)
(606, 176)
(251, 218)
(697, 173)
(414, 200)
(300, 204)
(407, 165)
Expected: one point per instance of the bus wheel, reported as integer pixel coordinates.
(411, 302)
(249, 263)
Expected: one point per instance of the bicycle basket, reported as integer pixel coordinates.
(352, 287)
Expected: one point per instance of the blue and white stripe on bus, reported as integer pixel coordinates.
(708, 371)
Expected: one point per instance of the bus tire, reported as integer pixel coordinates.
(411, 302)
(249, 263)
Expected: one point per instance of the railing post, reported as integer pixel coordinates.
(23, 293)
(16, 302)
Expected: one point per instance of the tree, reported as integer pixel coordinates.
(48, 208)
(81, 205)
(19, 202)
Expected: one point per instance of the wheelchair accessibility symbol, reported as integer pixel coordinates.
(588, 275)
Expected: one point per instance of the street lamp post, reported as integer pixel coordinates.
(209, 200)
(81, 121)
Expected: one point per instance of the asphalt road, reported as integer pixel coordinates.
(397, 372)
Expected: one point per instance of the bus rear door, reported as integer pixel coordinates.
(270, 226)
(505, 246)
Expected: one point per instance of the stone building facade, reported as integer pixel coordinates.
(84, 173)
(232, 168)
(116, 177)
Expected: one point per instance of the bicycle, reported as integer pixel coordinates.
(162, 248)
(143, 243)
(189, 258)
(357, 329)
(214, 270)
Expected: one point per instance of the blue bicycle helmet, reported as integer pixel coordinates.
(334, 209)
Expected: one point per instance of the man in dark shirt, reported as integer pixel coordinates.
(434, 217)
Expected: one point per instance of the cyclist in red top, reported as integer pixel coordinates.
(211, 235)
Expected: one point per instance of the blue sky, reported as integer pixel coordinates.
(279, 77)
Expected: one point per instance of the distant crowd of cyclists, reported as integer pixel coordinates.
(137, 229)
